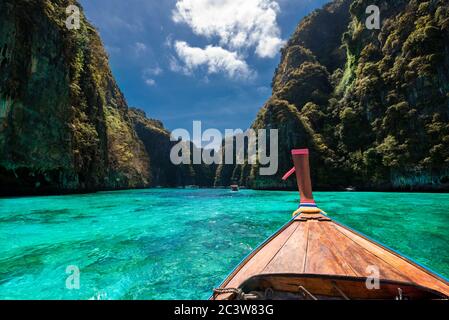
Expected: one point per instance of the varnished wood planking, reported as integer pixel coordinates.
(415, 273)
(358, 257)
(255, 264)
(291, 257)
(321, 259)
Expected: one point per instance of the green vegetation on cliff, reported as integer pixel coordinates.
(373, 105)
(158, 145)
(64, 123)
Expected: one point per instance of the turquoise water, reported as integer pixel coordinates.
(179, 244)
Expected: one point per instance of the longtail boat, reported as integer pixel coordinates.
(313, 257)
(234, 188)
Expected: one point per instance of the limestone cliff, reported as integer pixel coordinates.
(372, 105)
(158, 146)
(64, 124)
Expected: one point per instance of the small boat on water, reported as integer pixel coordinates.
(234, 188)
(313, 257)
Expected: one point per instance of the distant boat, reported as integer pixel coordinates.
(192, 187)
(313, 257)
(234, 188)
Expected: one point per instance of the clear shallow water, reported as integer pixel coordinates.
(179, 244)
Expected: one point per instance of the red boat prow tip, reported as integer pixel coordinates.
(300, 152)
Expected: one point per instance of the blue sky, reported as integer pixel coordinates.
(186, 60)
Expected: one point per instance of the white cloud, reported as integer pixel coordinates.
(176, 66)
(155, 71)
(238, 24)
(215, 59)
(168, 41)
(139, 48)
(149, 73)
(150, 82)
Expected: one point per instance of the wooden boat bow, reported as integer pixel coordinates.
(315, 257)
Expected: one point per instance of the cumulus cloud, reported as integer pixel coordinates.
(215, 59)
(238, 24)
